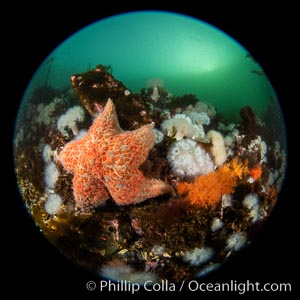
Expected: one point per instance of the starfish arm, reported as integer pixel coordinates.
(70, 156)
(106, 124)
(88, 191)
(136, 188)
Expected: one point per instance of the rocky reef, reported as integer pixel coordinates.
(144, 184)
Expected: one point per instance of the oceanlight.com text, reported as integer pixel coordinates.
(239, 287)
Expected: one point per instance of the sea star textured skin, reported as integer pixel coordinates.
(105, 163)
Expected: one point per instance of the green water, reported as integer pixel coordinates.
(188, 55)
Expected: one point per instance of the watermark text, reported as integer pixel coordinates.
(192, 286)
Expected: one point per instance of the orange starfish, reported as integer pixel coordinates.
(105, 163)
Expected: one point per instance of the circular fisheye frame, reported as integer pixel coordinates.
(150, 146)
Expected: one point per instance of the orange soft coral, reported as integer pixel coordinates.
(207, 190)
(256, 172)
